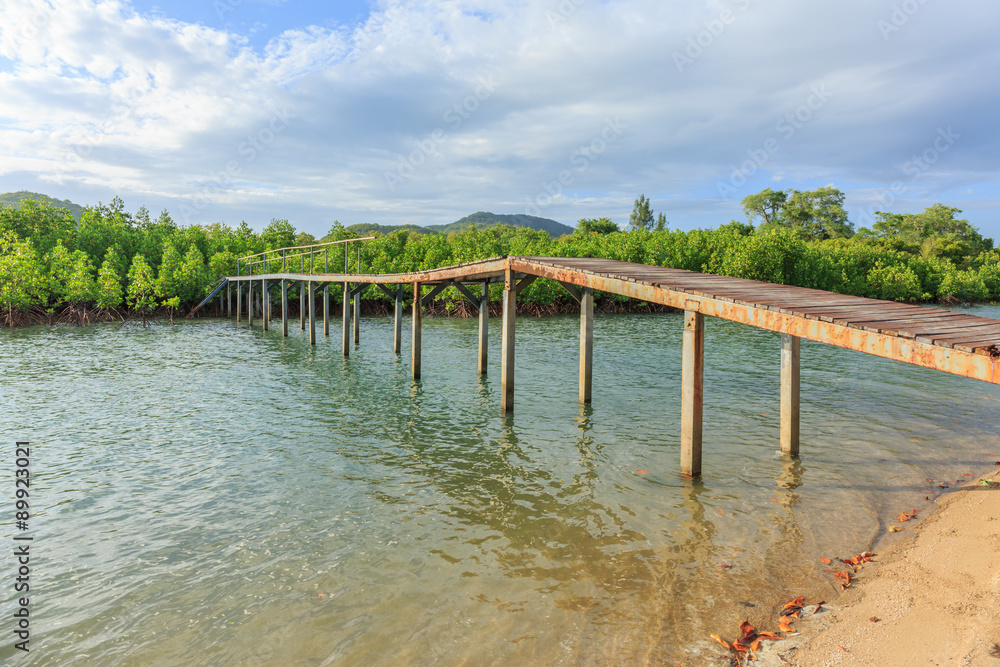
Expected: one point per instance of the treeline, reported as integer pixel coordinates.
(114, 263)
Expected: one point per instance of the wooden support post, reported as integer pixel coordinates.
(265, 299)
(790, 357)
(229, 299)
(692, 385)
(507, 344)
(484, 328)
(415, 347)
(586, 343)
(284, 308)
(397, 340)
(357, 319)
(346, 309)
(302, 306)
(239, 301)
(326, 310)
(312, 313)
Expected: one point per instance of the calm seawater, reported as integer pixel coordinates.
(207, 494)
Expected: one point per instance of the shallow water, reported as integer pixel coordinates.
(205, 494)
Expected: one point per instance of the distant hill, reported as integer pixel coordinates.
(483, 219)
(363, 228)
(15, 198)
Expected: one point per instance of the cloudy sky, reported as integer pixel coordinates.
(427, 110)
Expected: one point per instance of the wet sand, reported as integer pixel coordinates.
(935, 593)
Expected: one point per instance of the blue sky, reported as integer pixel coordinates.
(427, 110)
(258, 20)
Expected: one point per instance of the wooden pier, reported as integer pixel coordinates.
(955, 343)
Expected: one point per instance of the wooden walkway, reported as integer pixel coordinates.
(946, 341)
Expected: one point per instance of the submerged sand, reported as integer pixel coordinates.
(935, 595)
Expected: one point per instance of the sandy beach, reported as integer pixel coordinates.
(931, 598)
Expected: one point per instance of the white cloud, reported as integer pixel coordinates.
(101, 101)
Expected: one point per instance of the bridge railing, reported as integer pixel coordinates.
(264, 262)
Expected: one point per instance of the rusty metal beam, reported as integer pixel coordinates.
(573, 290)
(950, 360)
(427, 298)
(467, 293)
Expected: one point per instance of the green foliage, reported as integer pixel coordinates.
(222, 264)
(304, 238)
(642, 214)
(814, 215)
(596, 226)
(39, 222)
(141, 286)
(803, 238)
(765, 206)
(894, 282)
(171, 304)
(278, 234)
(966, 285)
(169, 281)
(936, 232)
(71, 278)
(194, 276)
(109, 285)
(23, 282)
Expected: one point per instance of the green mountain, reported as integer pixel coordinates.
(483, 219)
(15, 198)
(364, 228)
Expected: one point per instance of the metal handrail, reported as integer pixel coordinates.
(305, 247)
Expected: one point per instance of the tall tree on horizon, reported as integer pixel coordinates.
(642, 214)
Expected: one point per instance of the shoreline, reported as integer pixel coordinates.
(74, 316)
(933, 592)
